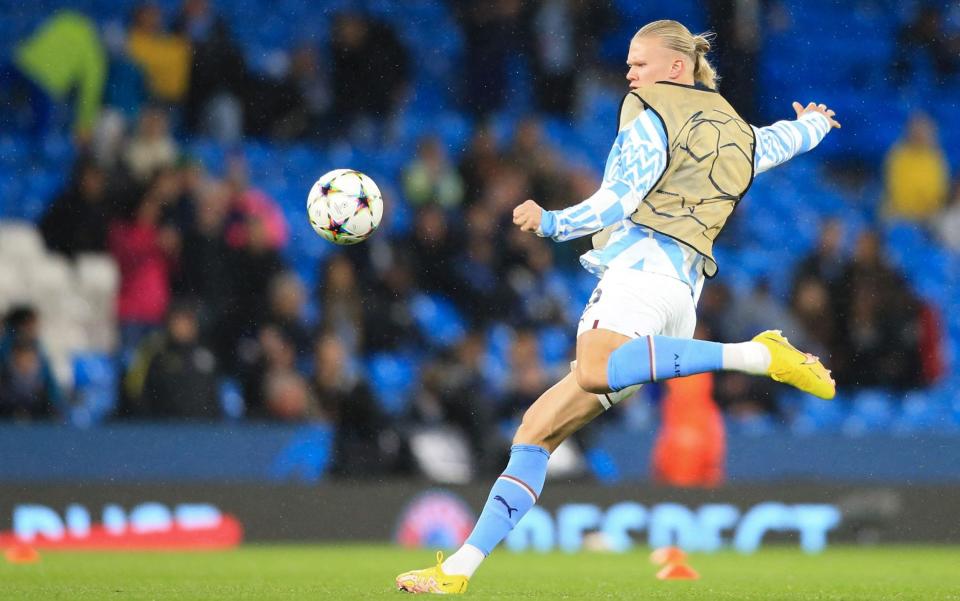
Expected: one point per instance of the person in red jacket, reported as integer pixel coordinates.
(145, 251)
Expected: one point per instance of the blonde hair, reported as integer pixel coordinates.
(677, 37)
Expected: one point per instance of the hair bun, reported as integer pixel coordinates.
(701, 43)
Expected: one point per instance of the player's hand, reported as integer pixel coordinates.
(816, 108)
(528, 216)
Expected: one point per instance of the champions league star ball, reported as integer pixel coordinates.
(345, 206)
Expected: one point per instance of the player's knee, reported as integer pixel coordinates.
(591, 379)
(534, 431)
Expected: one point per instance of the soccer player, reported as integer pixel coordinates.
(680, 164)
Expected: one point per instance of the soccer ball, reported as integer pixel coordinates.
(345, 206)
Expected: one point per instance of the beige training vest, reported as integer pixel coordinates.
(709, 164)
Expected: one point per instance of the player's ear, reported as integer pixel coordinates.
(676, 68)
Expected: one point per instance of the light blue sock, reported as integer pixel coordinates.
(654, 358)
(512, 496)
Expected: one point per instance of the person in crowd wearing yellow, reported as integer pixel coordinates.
(916, 175)
(164, 57)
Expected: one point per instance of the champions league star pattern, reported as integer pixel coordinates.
(634, 165)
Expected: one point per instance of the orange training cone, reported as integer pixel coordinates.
(22, 553)
(677, 571)
(667, 555)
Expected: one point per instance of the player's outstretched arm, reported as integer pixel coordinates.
(635, 163)
(780, 142)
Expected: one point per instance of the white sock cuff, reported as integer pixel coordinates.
(464, 562)
(749, 357)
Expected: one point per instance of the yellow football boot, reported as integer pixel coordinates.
(432, 580)
(796, 368)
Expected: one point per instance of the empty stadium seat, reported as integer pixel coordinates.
(438, 320)
(20, 241)
(393, 378)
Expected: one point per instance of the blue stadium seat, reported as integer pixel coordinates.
(756, 424)
(438, 320)
(496, 364)
(818, 416)
(921, 411)
(556, 345)
(95, 388)
(871, 411)
(393, 378)
(231, 398)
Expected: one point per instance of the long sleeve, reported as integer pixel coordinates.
(635, 163)
(780, 142)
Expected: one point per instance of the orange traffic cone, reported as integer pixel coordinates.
(667, 555)
(21, 553)
(677, 571)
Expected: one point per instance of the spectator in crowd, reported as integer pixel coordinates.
(28, 388)
(145, 250)
(179, 373)
(164, 57)
(291, 101)
(479, 163)
(348, 405)
(564, 36)
(540, 290)
(879, 318)
(815, 312)
(916, 173)
(453, 391)
(62, 57)
(479, 284)
(250, 203)
(431, 179)
(287, 398)
(554, 55)
(690, 450)
(288, 297)
(152, 148)
(273, 388)
(205, 265)
(494, 35)
(388, 322)
(218, 73)
(534, 156)
(432, 247)
(760, 310)
(738, 25)
(528, 376)
(193, 181)
(342, 303)
(253, 267)
(25, 392)
(926, 39)
(268, 353)
(370, 68)
(76, 221)
(716, 301)
(826, 262)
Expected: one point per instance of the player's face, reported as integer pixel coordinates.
(649, 62)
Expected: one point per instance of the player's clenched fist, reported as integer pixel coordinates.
(527, 216)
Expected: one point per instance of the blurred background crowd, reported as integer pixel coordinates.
(156, 262)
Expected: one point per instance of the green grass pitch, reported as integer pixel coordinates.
(318, 573)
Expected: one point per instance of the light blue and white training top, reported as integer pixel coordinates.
(636, 162)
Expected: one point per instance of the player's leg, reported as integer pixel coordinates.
(604, 365)
(652, 358)
(556, 414)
